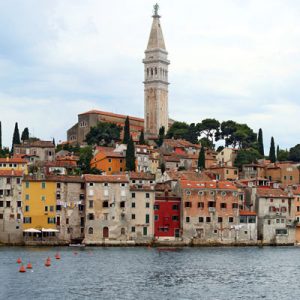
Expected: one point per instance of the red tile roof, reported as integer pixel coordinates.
(106, 178)
(224, 185)
(11, 173)
(14, 160)
(180, 143)
(271, 193)
(141, 175)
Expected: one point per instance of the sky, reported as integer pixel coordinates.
(230, 60)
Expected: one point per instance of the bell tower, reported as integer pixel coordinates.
(156, 80)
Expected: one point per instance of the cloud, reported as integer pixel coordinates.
(232, 59)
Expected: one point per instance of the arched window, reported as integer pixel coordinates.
(91, 230)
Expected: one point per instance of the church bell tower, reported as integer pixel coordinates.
(156, 80)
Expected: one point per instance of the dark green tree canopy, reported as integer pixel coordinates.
(178, 130)
(16, 137)
(126, 131)
(130, 156)
(283, 155)
(142, 138)
(246, 156)
(272, 154)
(161, 136)
(260, 142)
(201, 159)
(103, 134)
(84, 163)
(294, 154)
(209, 127)
(25, 134)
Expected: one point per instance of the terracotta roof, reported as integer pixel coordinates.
(247, 213)
(271, 193)
(55, 178)
(171, 158)
(106, 178)
(222, 167)
(105, 113)
(180, 143)
(39, 144)
(14, 160)
(224, 185)
(141, 175)
(143, 188)
(11, 173)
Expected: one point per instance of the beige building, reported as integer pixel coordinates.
(156, 80)
(11, 207)
(224, 172)
(286, 173)
(227, 156)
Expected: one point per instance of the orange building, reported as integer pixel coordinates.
(224, 172)
(109, 161)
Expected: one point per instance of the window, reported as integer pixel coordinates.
(230, 219)
(201, 219)
(269, 222)
(1, 217)
(27, 220)
(26, 208)
(175, 218)
(235, 205)
(122, 231)
(8, 180)
(147, 204)
(212, 193)
(58, 185)
(51, 220)
(19, 203)
(223, 205)
(46, 208)
(188, 193)
(43, 198)
(122, 204)
(109, 169)
(277, 221)
(1, 204)
(283, 209)
(91, 184)
(291, 177)
(133, 217)
(281, 231)
(201, 205)
(132, 195)
(145, 231)
(187, 219)
(175, 207)
(105, 204)
(147, 219)
(201, 193)
(156, 206)
(220, 219)
(58, 207)
(156, 217)
(147, 195)
(133, 229)
(215, 231)
(91, 217)
(109, 160)
(18, 216)
(207, 219)
(43, 185)
(51, 208)
(91, 230)
(252, 219)
(271, 200)
(91, 203)
(7, 203)
(18, 180)
(133, 204)
(223, 193)
(187, 204)
(26, 197)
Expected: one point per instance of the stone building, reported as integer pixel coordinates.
(210, 213)
(227, 156)
(11, 207)
(77, 133)
(156, 80)
(224, 172)
(286, 173)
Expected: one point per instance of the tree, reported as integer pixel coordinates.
(209, 127)
(25, 134)
(85, 157)
(226, 131)
(207, 143)
(295, 153)
(142, 138)
(53, 141)
(246, 156)
(260, 142)
(192, 134)
(282, 155)
(16, 137)
(0, 135)
(272, 155)
(126, 131)
(178, 130)
(201, 159)
(130, 156)
(161, 136)
(103, 134)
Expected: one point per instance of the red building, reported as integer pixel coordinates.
(167, 215)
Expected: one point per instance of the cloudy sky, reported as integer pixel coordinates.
(230, 59)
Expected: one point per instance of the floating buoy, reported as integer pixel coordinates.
(48, 259)
(22, 269)
(29, 266)
(47, 263)
(19, 260)
(57, 256)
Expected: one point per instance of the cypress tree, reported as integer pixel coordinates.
(161, 136)
(260, 142)
(142, 138)
(16, 137)
(53, 141)
(126, 131)
(130, 156)
(272, 155)
(0, 135)
(25, 134)
(201, 159)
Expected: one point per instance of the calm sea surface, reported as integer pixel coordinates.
(142, 273)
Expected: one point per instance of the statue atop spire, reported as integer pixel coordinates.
(155, 11)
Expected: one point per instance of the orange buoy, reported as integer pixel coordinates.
(22, 269)
(48, 259)
(29, 266)
(48, 263)
(19, 260)
(57, 256)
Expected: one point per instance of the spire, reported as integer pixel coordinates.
(156, 39)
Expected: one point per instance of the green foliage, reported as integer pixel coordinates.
(16, 137)
(178, 130)
(53, 141)
(67, 147)
(103, 134)
(161, 136)
(192, 134)
(246, 156)
(209, 127)
(4, 152)
(201, 159)
(142, 138)
(294, 154)
(130, 156)
(272, 155)
(25, 134)
(207, 143)
(282, 155)
(126, 131)
(260, 142)
(220, 148)
(85, 157)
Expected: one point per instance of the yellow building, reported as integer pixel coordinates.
(14, 163)
(39, 203)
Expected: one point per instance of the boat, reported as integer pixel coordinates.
(76, 245)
